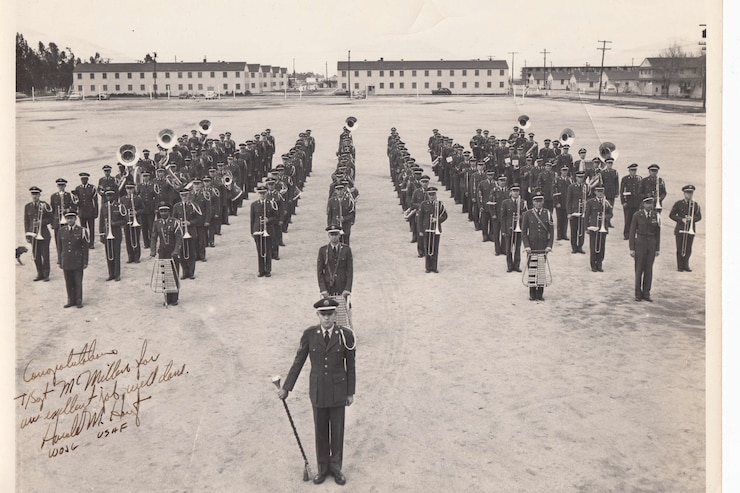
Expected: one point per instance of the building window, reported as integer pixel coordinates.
(477, 72)
(501, 84)
(382, 85)
(200, 87)
(105, 87)
(239, 86)
(465, 72)
(490, 72)
(400, 85)
(452, 72)
(413, 85)
(391, 73)
(254, 85)
(465, 85)
(426, 85)
(105, 76)
(477, 84)
(357, 85)
(439, 73)
(501, 72)
(190, 87)
(200, 75)
(117, 75)
(382, 73)
(179, 87)
(237, 75)
(155, 87)
(400, 72)
(142, 87)
(357, 73)
(452, 85)
(129, 75)
(154, 75)
(344, 85)
(141, 75)
(226, 87)
(439, 85)
(130, 87)
(190, 75)
(79, 76)
(488, 85)
(426, 73)
(213, 75)
(118, 87)
(391, 85)
(369, 73)
(590, 84)
(413, 73)
(92, 88)
(226, 75)
(79, 88)
(273, 83)
(344, 73)
(92, 76)
(179, 75)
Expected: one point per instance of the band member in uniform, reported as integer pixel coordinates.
(144, 164)
(546, 185)
(644, 242)
(73, 244)
(149, 203)
(263, 213)
(560, 197)
(275, 229)
(167, 232)
(582, 164)
(648, 187)
(475, 144)
(37, 217)
(341, 210)
(212, 211)
(87, 206)
(61, 201)
(537, 234)
(598, 212)
(334, 266)
(132, 232)
(486, 195)
(332, 385)
(106, 182)
(112, 218)
(576, 207)
(610, 182)
(686, 213)
(430, 216)
(199, 199)
(501, 193)
(419, 196)
(629, 193)
(511, 212)
(191, 218)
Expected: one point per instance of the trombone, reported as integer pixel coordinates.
(109, 237)
(37, 224)
(186, 236)
(658, 205)
(262, 233)
(600, 216)
(688, 230)
(516, 220)
(433, 230)
(581, 211)
(133, 223)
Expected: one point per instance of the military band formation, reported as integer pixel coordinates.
(514, 192)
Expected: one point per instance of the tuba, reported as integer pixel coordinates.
(350, 123)
(524, 122)
(608, 149)
(205, 127)
(567, 136)
(127, 154)
(166, 138)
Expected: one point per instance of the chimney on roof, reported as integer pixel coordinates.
(204, 59)
(381, 59)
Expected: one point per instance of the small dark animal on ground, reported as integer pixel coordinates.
(18, 252)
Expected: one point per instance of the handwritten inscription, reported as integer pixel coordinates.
(92, 395)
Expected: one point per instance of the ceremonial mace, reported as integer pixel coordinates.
(307, 469)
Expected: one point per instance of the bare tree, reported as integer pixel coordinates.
(672, 60)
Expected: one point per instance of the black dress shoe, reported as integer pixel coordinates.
(92, 247)
(339, 477)
(118, 278)
(647, 297)
(428, 271)
(110, 278)
(267, 274)
(518, 269)
(638, 298)
(435, 271)
(69, 305)
(137, 261)
(129, 261)
(541, 298)
(594, 269)
(276, 257)
(37, 278)
(79, 305)
(532, 298)
(600, 269)
(497, 254)
(45, 279)
(260, 274)
(509, 270)
(281, 244)
(687, 269)
(420, 255)
(566, 238)
(319, 478)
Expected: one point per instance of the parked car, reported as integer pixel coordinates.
(104, 96)
(341, 92)
(211, 95)
(20, 95)
(61, 96)
(75, 96)
(442, 91)
(185, 95)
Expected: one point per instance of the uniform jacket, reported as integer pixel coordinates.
(537, 234)
(60, 203)
(610, 180)
(332, 376)
(187, 211)
(257, 211)
(546, 183)
(645, 224)
(30, 215)
(629, 191)
(647, 188)
(168, 233)
(426, 212)
(508, 208)
(575, 194)
(87, 204)
(73, 247)
(560, 190)
(335, 269)
(680, 210)
(594, 208)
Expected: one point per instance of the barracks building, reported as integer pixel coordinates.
(421, 77)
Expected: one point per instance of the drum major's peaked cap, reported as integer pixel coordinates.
(326, 304)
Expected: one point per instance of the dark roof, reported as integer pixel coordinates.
(265, 68)
(423, 65)
(161, 67)
(680, 62)
(622, 75)
(253, 67)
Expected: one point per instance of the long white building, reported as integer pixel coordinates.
(386, 77)
(195, 78)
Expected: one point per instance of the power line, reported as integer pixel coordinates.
(544, 68)
(601, 74)
(512, 53)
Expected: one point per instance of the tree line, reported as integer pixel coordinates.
(47, 68)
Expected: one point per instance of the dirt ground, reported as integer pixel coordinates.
(462, 383)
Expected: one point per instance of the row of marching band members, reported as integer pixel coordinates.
(341, 207)
(418, 200)
(272, 212)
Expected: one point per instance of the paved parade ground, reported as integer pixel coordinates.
(463, 384)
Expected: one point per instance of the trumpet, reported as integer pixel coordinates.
(689, 229)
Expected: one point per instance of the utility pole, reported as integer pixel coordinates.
(601, 74)
(703, 44)
(349, 76)
(544, 68)
(512, 53)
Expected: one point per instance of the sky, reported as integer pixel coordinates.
(317, 33)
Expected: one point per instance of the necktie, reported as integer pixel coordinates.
(326, 337)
